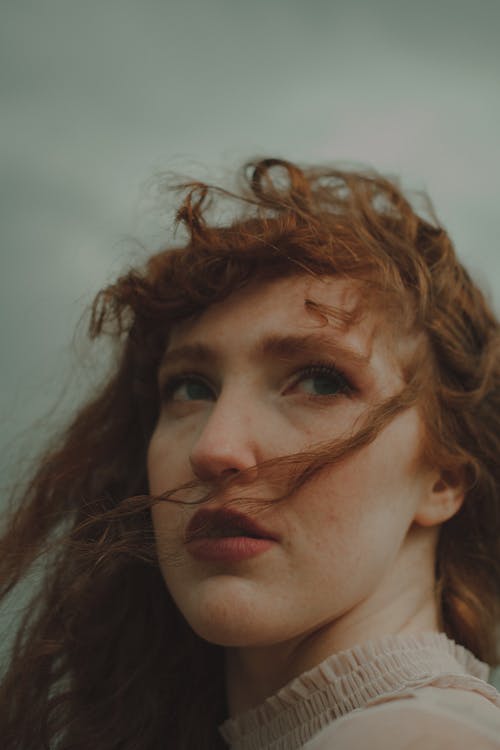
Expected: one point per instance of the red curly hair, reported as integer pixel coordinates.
(103, 658)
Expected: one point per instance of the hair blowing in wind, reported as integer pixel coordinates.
(103, 658)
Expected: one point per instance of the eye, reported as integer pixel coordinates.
(187, 388)
(322, 380)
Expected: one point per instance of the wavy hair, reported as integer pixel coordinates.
(102, 658)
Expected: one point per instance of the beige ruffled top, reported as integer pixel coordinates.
(418, 689)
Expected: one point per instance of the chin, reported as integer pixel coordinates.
(233, 618)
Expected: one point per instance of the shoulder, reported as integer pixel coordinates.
(408, 724)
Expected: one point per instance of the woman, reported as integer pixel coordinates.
(277, 524)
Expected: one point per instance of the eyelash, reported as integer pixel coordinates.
(325, 368)
(174, 381)
(314, 368)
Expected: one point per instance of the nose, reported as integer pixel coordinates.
(227, 444)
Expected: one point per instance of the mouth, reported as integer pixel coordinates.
(219, 523)
(230, 531)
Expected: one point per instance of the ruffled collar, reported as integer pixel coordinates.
(349, 680)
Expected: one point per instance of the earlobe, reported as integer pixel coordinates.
(444, 499)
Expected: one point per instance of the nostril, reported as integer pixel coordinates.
(213, 464)
(229, 472)
(201, 471)
(210, 469)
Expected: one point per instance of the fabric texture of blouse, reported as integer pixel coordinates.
(401, 691)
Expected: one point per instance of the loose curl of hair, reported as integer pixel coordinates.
(102, 657)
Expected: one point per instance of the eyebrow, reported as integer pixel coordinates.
(288, 347)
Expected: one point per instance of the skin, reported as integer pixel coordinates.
(355, 559)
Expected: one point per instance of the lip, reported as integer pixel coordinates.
(205, 542)
(228, 548)
(206, 521)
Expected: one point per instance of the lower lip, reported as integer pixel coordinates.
(228, 549)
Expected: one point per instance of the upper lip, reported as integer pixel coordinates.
(206, 521)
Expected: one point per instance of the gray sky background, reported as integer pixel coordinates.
(98, 97)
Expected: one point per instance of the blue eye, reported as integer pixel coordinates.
(321, 380)
(187, 388)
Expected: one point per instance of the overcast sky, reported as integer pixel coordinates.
(100, 96)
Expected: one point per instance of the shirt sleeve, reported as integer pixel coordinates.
(403, 725)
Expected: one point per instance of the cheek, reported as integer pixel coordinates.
(373, 494)
(168, 469)
(166, 463)
(167, 529)
(168, 454)
(154, 465)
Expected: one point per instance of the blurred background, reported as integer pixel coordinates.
(100, 97)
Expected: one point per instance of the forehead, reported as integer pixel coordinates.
(298, 304)
(279, 302)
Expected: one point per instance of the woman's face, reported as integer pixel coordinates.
(254, 378)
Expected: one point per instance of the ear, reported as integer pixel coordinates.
(443, 500)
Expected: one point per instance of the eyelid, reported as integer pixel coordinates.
(327, 368)
(172, 380)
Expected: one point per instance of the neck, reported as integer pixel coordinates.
(402, 604)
